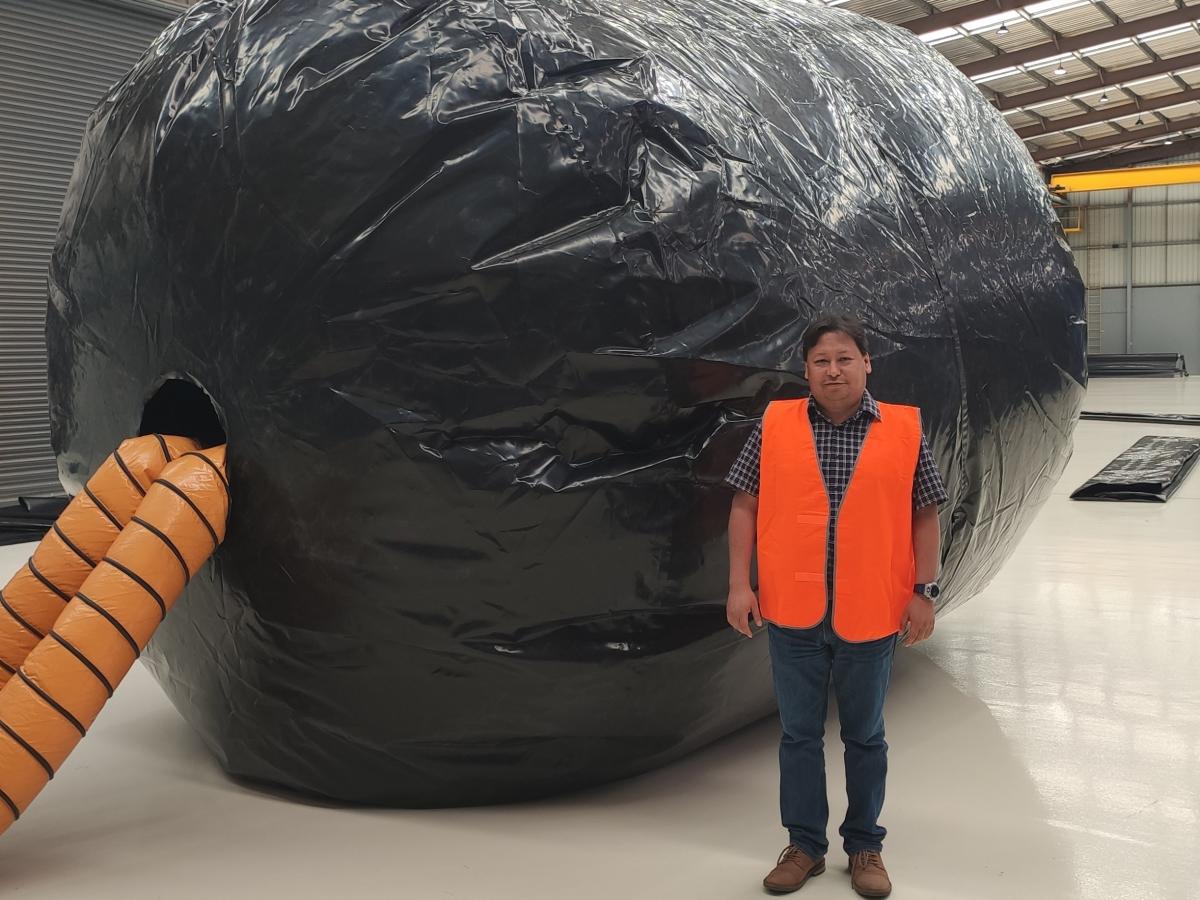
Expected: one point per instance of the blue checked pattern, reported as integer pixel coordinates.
(837, 449)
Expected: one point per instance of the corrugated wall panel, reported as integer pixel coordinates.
(1183, 222)
(1098, 198)
(1181, 192)
(1182, 265)
(1166, 235)
(1149, 223)
(1105, 226)
(57, 59)
(1112, 265)
(1182, 260)
(1149, 266)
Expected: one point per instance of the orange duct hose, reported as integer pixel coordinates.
(54, 696)
(39, 592)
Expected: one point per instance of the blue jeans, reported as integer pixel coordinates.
(804, 662)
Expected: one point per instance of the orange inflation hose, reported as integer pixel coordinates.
(57, 688)
(39, 592)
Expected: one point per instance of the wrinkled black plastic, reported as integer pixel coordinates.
(487, 296)
(1150, 471)
(1147, 418)
(1136, 364)
(30, 519)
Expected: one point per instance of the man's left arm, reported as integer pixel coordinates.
(926, 537)
(928, 491)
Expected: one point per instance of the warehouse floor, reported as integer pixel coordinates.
(1045, 744)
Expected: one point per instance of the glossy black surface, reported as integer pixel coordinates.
(1150, 471)
(487, 296)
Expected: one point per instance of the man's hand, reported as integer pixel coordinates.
(741, 605)
(917, 622)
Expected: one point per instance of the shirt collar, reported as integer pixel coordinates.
(868, 407)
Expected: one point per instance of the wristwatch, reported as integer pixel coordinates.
(928, 591)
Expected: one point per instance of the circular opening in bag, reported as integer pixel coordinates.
(181, 407)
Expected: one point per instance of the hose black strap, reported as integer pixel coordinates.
(50, 585)
(212, 465)
(100, 506)
(62, 536)
(163, 444)
(17, 616)
(88, 601)
(66, 645)
(52, 702)
(178, 492)
(41, 760)
(187, 575)
(12, 807)
(133, 576)
(124, 468)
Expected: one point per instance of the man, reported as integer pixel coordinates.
(841, 494)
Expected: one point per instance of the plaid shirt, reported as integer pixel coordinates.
(837, 449)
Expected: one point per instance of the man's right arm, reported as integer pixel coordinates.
(742, 603)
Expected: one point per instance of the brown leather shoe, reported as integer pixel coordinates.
(793, 869)
(867, 874)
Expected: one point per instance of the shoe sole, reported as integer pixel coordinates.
(873, 895)
(818, 869)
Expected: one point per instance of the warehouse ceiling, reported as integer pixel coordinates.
(1085, 83)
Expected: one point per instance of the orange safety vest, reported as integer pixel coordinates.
(874, 569)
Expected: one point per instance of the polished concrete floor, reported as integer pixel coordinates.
(1045, 744)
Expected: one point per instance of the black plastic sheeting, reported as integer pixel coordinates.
(1137, 364)
(1149, 418)
(30, 519)
(487, 297)
(1150, 471)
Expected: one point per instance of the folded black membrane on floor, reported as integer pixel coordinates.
(1149, 471)
(29, 519)
(1136, 364)
(1149, 418)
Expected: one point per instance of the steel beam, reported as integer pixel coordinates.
(962, 14)
(1125, 179)
(1068, 45)
(1130, 157)
(1106, 79)
(1116, 140)
(1109, 112)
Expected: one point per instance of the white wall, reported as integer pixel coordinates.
(1166, 319)
(1162, 266)
(1166, 236)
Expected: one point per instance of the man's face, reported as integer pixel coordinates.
(837, 371)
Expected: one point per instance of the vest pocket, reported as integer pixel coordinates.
(818, 577)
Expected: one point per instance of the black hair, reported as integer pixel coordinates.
(838, 323)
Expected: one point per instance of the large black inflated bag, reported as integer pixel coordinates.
(486, 296)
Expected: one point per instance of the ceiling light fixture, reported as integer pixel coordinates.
(1003, 29)
(1140, 121)
(1061, 70)
(1168, 141)
(1104, 97)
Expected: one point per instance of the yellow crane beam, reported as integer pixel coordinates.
(1120, 179)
